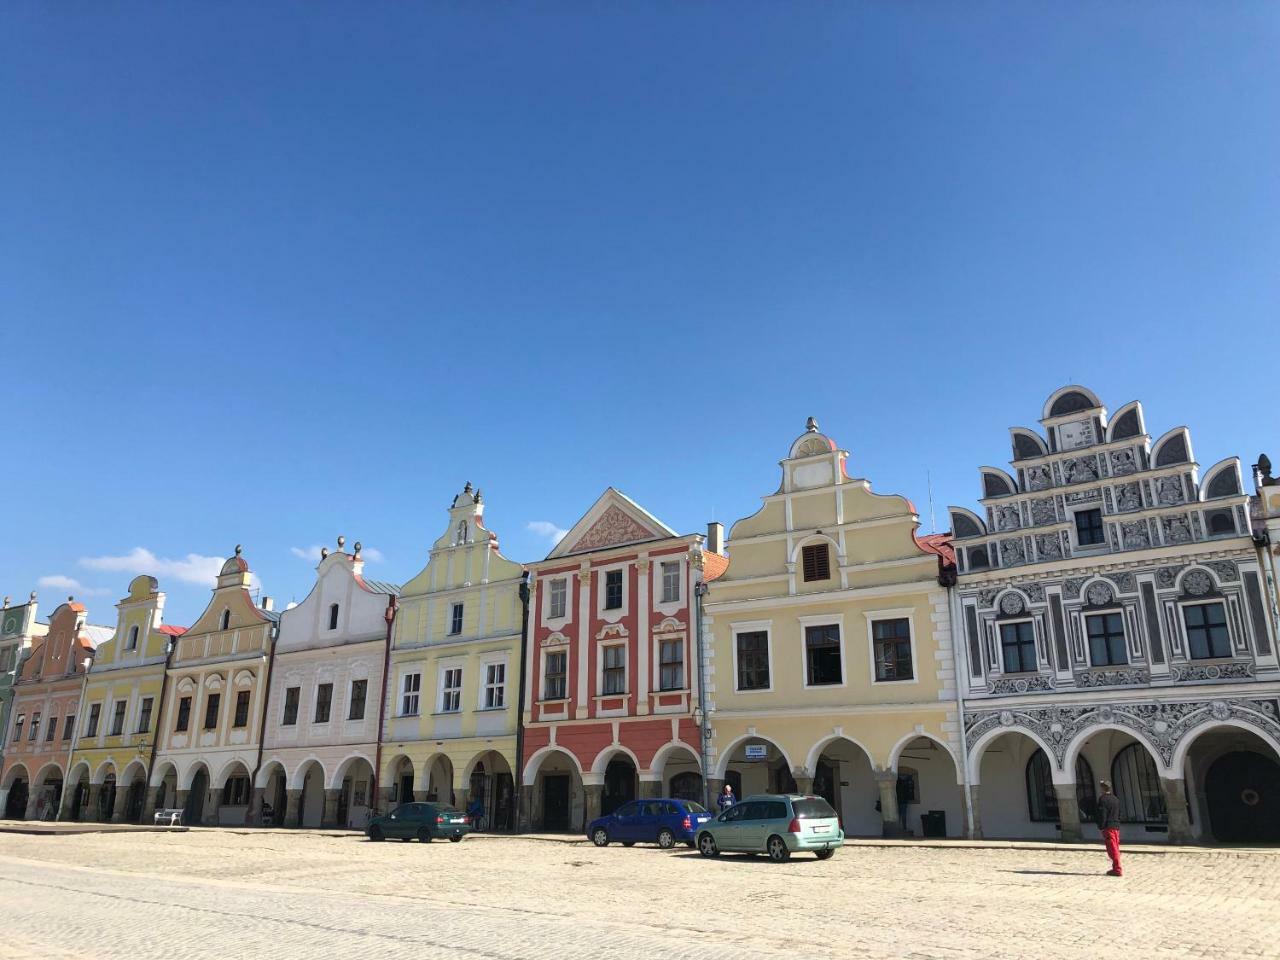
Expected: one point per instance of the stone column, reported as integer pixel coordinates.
(650, 789)
(253, 817)
(120, 810)
(212, 802)
(887, 781)
(33, 797)
(329, 819)
(385, 803)
(463, 797)
(1175, 801)
(419, 796)
(595, 793)
(1068, 811)
(292, 808)
(971, 801)
(149, 804)
(714, 789)
(89, 811)
(529, 815)
(180, 801)
(803, 784)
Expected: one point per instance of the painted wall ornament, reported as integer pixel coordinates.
(1099, 594)
(1197, 583)
(1011, 603)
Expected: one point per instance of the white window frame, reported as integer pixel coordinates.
(485, 685)
(443, 691)
(1186, 637)
(404, 693)
(563, 583)
(1124, 630)
(1089, 549)
(626, 663)
(1035, 637)
(898, 613)
(351, 686)
(132, 642)
(658, 641)
(836, 620)
(614, 614)
(457, 612)
(542, 674)
(752, 626)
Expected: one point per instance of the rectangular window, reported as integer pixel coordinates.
(6, 659)
(559, 596)
(822, 655)
(35, 727)
(1207, 632)
(455, 619)
(554, 676)
(1089, 528)
(1018, 647)
(1106, 639)
(816, 561)
(95, 713)
(892, 642)
(451, 691)
(495, 686)
(671, 665)
(242, 709)
(211, 711)
(409, 692)
(671, 582)
(613, 590)
(184, 714)
(236, 792)
(753, 660)
(291, 696)
(17, 728)
(68, 728)
(117, 719)
(51, 730)
(144, 715)
(359, 691)
(615, 669)
(324, 701)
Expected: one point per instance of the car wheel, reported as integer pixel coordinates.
(600, 837)
(405, 839)
(825, 854)
(777, 848)
(707, 846)
(629, 843)
(375, 834)
(424, 835)
(455, 839)
(666, 839)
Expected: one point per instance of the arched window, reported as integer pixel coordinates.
(1137, 785)
(225, 622)
(133, 638)
(1042, 798)
(333, 616)
(462, 531)
(686, 786)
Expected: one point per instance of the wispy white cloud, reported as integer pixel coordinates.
(312, 553)
(545, 528)
(59, 582)
(193, 568)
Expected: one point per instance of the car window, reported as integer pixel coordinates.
(752, 810)
(733, 813)
(670, 809)
(693, 807)
(813, 808)
(775, 810)
(403, 812)
(628, 810)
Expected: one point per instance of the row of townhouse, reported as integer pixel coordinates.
(1110, 612)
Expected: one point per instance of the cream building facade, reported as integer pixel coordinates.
(320, 749)
(829, 663)
(115, 742)
(211, 726)
(453, 680)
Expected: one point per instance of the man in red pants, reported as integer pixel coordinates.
(1109, 824)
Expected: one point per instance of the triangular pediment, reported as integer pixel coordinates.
(614, 520)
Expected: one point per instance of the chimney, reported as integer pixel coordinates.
(267, 604)
(715, 537)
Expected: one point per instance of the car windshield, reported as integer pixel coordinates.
(694, 807)
(813, 808)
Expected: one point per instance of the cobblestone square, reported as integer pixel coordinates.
(275, 894)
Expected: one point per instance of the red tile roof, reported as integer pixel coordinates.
(713, 565)
(172, 630)
(939, 543)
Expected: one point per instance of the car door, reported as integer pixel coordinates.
(729, 832)
(624, 822)
(748, 834)
(396, 820)
(650, 820)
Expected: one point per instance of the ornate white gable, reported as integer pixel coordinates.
(614, 520)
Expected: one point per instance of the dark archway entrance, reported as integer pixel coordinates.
(619, 784)
(16, 806)
(193, 815)
(1242, 792)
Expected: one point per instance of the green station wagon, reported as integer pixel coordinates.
(776, 824)
(420, 821)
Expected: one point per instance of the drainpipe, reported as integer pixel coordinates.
(262, 722)
(948, 579)
(75, 739)
(518, 785)
(159, 714)
(704, 726)
(389, 616)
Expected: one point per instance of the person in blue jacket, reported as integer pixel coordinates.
(726, 799)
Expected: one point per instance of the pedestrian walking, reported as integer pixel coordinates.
(726, 799)
(1109, 824)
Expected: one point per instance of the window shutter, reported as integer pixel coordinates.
(817, 562)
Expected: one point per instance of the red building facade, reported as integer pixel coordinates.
(611, 676)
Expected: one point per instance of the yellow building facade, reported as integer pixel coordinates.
(453, 678)
(120, 710)
(829, 664)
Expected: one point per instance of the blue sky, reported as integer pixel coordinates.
(274, 272)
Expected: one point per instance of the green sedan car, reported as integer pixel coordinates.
(420, 821)
(776, 824)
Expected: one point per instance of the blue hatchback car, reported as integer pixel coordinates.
(664, 822)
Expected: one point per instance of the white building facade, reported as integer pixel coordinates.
(320, 747)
